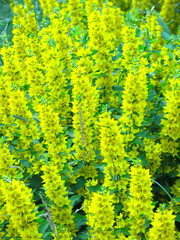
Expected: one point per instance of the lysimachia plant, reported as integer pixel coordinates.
(89, 120)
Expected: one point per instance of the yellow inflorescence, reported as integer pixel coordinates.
(101, 216)
(171, 123)
(112, 149)
(163, 225)
(21, 209)
(140, 200)
(56, 191)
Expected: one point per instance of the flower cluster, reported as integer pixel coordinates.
(140, 200)
(101, 216)
(163, 225)
(171, 124)
(21, 210)
(112, 149)
(57, 193)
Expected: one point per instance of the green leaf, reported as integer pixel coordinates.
(85, 38)
(175, 37)
(177, 199)
(69, 143)
(164, 82)
(151, 75)
(138, 32)
(117, 88)
(156, 52)
(94, 188)
(35, 181)
(177, 218)
(66, 169)
(118, 208)
(21, 118)
(51, 42)
(98, 154)
(147, 121)
(47, 236)
(26, 88)
(35, 141)
(15, 141)
(143, 159)
(100, 166)
(75, 199)
(20, 150)
(116, 71)
(75, 31)
(166, 36)
(138, 141)
(40, 213)
(114, 58)
(164, 25)
(142, 134)
(120, 47)
(25, 163)
(17, 134)
(36, 119)
(162, 104)
(71, 133)
(129, 15)
(158, 119)
(79, 165)
(94, 52)
(122, 230)
(73, 162)
(170, 55)
(83, 236)
(43, 226)
(151, 95)
(154, 203)
(79, 220)
(11, 147)
(80, 183)
(170, 47)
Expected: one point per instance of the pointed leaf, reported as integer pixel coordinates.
(75, 200)
(79, 220)
(21, 118)
(43, 226)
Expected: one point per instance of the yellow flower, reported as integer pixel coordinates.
(112, 149)
(170, 122)
(163, 226)
(101, 216)
(17, 198)
(140, 200)
(56, 192)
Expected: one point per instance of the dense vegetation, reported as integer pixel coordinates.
(90, 120)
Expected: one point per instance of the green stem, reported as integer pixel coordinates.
(166, 193)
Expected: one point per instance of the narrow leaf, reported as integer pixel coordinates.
(21, 118)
